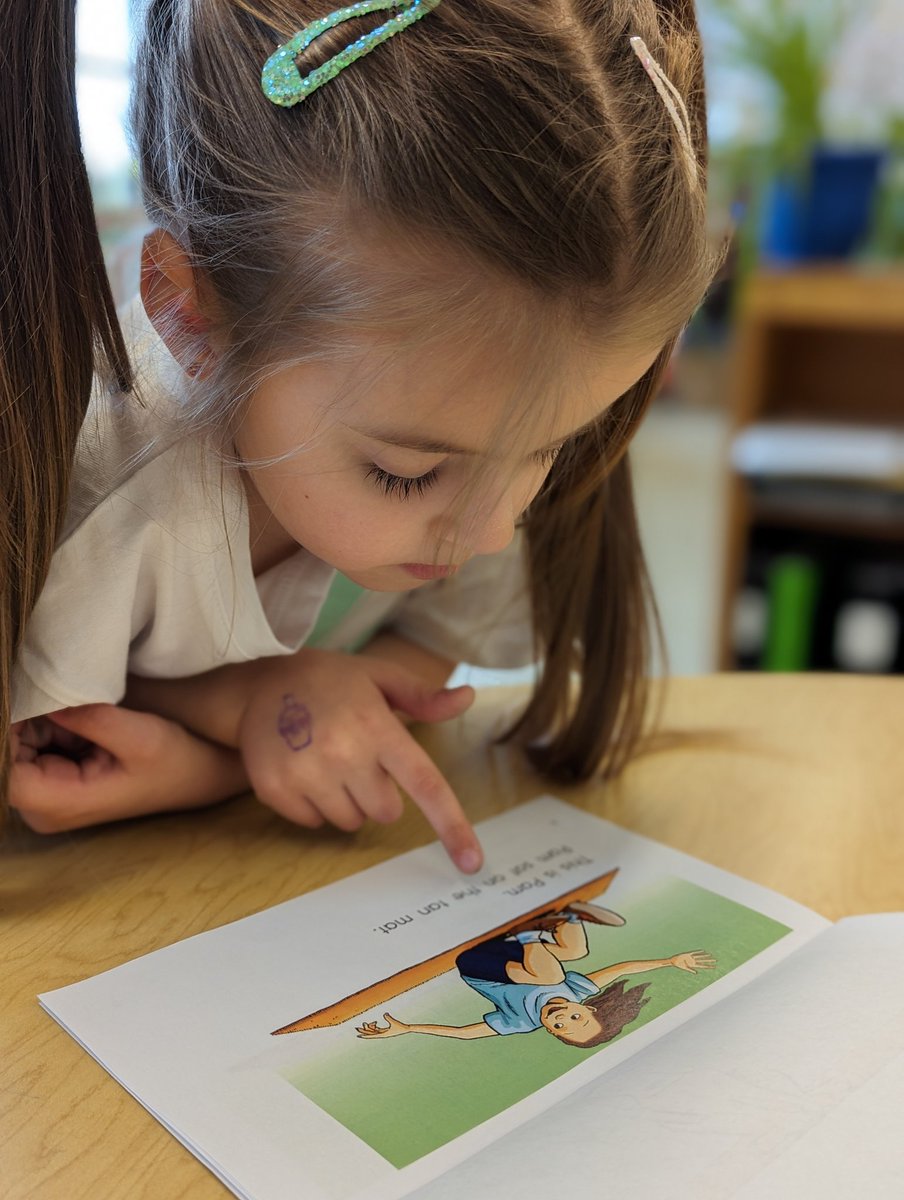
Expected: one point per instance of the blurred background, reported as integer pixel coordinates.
(770, 472)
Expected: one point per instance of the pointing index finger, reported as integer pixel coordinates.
(416, 773)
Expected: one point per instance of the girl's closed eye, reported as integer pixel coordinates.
(401, 486)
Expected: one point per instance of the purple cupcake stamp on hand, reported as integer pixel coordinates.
(295, 724)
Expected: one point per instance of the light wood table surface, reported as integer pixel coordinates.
(796, 782)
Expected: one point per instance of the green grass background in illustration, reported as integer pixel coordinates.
(406, 1096)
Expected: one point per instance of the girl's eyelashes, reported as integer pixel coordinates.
(547, 457)
(401, 486)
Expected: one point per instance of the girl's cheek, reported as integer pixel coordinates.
(538, 477)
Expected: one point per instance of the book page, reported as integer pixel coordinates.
(360, 1040)
(792, 1088)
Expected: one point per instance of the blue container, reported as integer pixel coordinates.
(825, 214)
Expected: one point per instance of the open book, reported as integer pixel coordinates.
(593, 1014)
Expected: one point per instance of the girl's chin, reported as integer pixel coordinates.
(384, 579)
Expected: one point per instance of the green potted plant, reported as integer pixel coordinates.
(809, 198)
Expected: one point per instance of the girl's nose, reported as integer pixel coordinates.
(487, 527)
(494, 533)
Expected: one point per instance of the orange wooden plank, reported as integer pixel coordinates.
(403, 981)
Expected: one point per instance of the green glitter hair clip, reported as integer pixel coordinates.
(284, 84)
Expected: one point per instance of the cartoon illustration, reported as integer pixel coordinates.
(523, 977)
(385, 991)
(542, 958)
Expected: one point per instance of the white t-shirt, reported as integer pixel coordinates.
(153, 575)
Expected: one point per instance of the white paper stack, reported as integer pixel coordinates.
(811, 450)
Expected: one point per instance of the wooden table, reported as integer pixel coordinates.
(796, 782)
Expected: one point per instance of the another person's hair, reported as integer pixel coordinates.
(58, 327)
(614, 1008)
(509, 149)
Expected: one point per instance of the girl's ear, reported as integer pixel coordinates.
(170, 294)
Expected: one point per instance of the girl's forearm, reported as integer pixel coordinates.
(136, 763)
(211, 704)
(392, 647)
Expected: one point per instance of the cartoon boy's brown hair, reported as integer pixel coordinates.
(614, 1008)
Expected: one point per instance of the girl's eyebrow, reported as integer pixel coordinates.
(427, 445)
(409, 441)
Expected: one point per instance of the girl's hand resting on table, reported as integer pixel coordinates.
(321, 742)
(100, 762)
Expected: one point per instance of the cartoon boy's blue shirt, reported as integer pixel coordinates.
(518, 1005)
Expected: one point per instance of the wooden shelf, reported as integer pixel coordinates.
(867, 528)
(827, 297)
(816, 344)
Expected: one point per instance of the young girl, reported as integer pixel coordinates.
(413, 279)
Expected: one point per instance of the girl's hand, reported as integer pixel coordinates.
(100, 762)
(321, 742)
(371, 1029)
(693, 961)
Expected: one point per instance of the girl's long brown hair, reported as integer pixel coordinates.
(594, 612)
(57, 321)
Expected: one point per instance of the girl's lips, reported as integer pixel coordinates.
(428, 570)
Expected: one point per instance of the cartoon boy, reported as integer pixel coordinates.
(522, 976)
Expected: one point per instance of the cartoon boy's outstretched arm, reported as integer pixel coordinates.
(370, 1029)
(688, 960)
